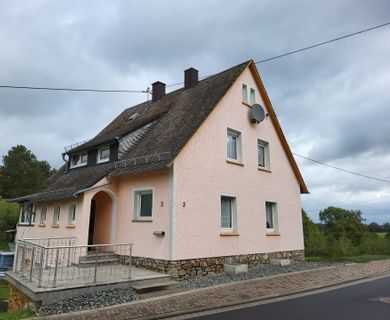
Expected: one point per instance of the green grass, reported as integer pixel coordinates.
(361, 259)
(4, 290)
(22, 314)
(4, 239)
(381, 235)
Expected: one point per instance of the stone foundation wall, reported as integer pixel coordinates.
(17, 299)
(182, 269)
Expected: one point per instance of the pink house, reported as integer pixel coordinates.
(191, 178)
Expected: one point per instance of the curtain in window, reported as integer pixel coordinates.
(226, 212)
(244, 93)
(232, 146)
(269, 215)
(261, 155)
(146, 205)
(252, 97)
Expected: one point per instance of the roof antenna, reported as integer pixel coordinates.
(148, 92)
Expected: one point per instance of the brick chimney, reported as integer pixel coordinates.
(158, 90)
(190, 78)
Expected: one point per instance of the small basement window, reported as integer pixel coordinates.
(79, 160)
(143, 204)
(103, 155)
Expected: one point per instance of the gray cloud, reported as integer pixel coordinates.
(332, 101)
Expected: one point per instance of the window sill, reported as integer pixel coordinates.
(42, 225)
(272, 234)
(263, 169)
(237, 162)
(25, 225)
(78, 166)
(55, 225)
(142, 220)
(229, 234)
(70, 226)
(102, 161)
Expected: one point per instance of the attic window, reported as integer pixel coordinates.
(133, 116)
(78, 160)
(103, 154)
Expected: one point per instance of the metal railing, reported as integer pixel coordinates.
(59, 260)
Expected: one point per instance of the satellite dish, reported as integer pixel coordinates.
(257, 113)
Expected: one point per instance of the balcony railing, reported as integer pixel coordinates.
(51, 261)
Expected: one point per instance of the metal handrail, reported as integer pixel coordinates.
(51, 264)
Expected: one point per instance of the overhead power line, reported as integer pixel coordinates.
(343, 170)
(324, 43)
(179, 83)
(350, 203)
(73, 89)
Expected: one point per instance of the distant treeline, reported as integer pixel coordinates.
(342, 233)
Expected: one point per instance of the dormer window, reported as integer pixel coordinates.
(79, 160)
(103, 155)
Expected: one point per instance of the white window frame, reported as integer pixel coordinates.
(233, 213)
(244, 93)
(99, 159)
(56, 215)
(274, 212)
(137, 195)
(238, 136)
(24, 214)
(78, 163)
(265, 145)
(43, 215)
(72, 213)
(252, 98)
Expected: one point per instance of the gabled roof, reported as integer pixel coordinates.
(173, 121)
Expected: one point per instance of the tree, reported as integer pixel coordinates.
(9, 214)
(374, 227)
(341, 224)
(21, 173)
(315, 242)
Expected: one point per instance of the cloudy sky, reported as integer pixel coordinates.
(333, 102)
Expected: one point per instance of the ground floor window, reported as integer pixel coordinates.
(143, 204)
(228, 213)
(56, 214)
(42, 218)
(72, 214)
(27, 214)
(271, 216)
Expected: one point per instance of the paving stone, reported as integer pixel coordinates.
(239, 292)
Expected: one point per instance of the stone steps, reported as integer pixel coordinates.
(154, 284)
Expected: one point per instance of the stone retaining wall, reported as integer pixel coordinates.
(182, 269)
(17, 299)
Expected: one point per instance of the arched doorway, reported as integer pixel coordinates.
(101, 218)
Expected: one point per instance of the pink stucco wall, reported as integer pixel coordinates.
(48, 231)
(203, 175)
(186, 197)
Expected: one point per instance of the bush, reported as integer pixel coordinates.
(9, 214)
(341, 247)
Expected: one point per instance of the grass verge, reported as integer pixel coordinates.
(361, 259)
(22, 314)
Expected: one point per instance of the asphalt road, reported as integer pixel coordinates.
(355, 302)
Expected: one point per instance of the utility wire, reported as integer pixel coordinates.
(73, 89)
(349, 204)
(343, 170)
(324, 43)
(179, 83)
